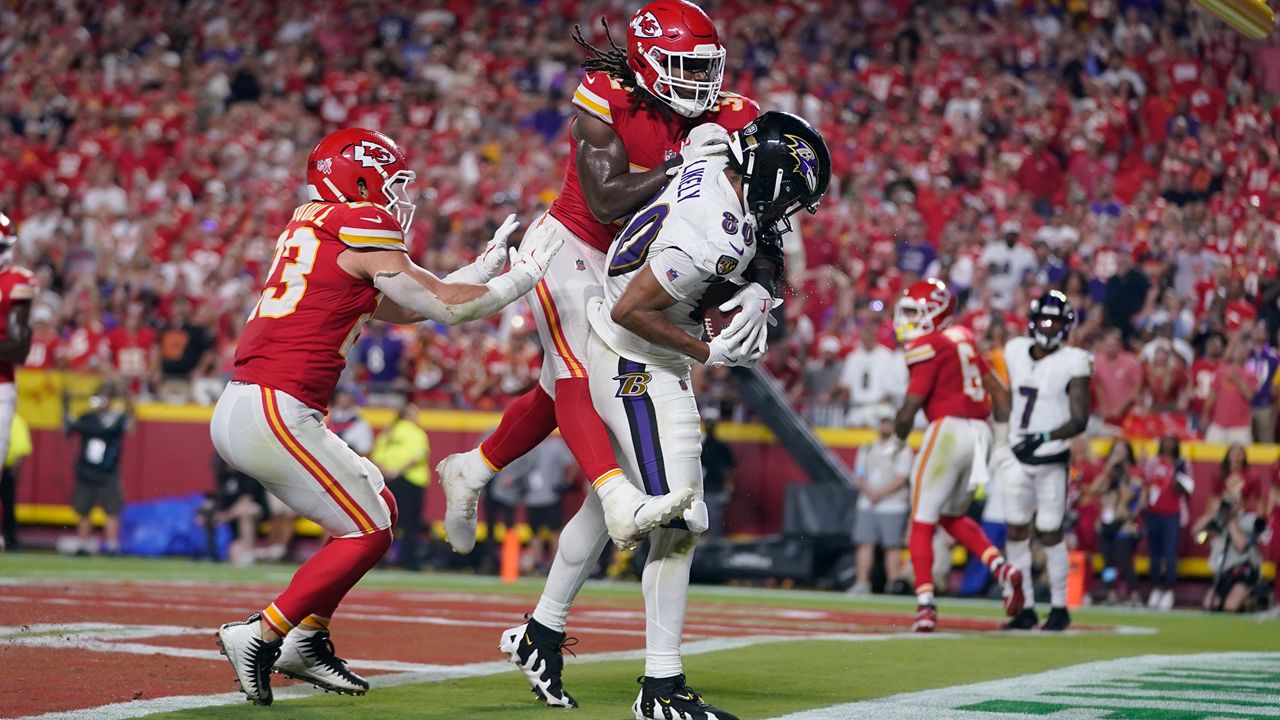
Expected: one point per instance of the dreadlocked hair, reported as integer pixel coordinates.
(613, 62)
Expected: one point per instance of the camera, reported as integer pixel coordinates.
(1218, 523)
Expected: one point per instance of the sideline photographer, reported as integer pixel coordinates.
(1234, 555)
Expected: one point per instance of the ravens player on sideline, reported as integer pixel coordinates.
(1049, 383)
(647, 331)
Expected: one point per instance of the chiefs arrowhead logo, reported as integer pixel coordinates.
(371, 155)
(646, 25)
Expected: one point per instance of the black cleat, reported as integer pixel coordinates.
(670, 699)
(250, 656)
(539, 653)
(310, 658)
(1025, 620)
(1059, 619)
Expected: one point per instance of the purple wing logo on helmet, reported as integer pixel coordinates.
(806, 160)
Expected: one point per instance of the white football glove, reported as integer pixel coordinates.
(727, 350)
(705, 140)
(530, 261)
(752, 324)
(494, 257)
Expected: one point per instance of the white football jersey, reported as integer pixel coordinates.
(693, 235)
(1039, 389)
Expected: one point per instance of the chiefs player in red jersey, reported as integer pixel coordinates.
(17, 288)
(957, 391)
(642, 111)
(340, 261)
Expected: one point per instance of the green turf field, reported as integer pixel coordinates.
(771, 679)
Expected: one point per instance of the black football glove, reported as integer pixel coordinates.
(1026, 448)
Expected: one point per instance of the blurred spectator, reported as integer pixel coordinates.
(1118, 488)
(1126, 293)
(1233, 533)
(545, 473)
(1203, 371)
(822, 384)
(1082, 504)
(870, 377)
(402, 452)
(241, 501)
(1117, 380)
(719, 477)
(20, 449)
(347, 423)
(1164, 380)
(184, 347)
(880, 474)
(1261, 363)
(97, 469)
(1166, 484)
(379, 355)
(1228, 416)
(1008, 263)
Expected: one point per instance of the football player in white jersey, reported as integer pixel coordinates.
(1050, 388)
(647, 331)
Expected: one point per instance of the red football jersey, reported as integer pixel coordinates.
(132, 350)
(44, 350)
(946, 370)
(648, 135)
(311, 310)
(17, 284)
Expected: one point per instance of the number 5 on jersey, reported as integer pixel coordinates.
(287, 282)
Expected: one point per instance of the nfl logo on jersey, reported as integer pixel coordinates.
(580, 264)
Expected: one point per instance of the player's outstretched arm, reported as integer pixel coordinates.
(640, 310)
(611, 190)
(419, 295)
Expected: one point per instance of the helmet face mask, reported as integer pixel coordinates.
(678, 83)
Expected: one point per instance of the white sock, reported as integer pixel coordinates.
(612, 482)
(666, 591)
(581, 542)
(1018, 552)
(924, 598)
(1055, 558)
(475, 467)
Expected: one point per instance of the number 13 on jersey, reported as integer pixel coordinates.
(287, 282)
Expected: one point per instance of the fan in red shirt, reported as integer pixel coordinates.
(133, 350)
(340, 261)
(957, 391)
(1165, 484)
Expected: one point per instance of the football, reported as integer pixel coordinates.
(713, 320)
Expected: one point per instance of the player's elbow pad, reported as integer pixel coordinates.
(409, 293)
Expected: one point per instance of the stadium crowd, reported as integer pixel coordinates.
(1124, 152)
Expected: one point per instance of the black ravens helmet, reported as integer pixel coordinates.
(1050, 320)
(785, 167)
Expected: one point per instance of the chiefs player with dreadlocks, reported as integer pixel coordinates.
(642, 111)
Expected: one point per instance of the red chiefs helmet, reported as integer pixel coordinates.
(358, 165)
(924, 307)
(676, 54)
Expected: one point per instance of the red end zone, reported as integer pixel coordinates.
(73, 646)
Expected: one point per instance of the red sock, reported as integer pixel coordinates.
(526, 422)
(583, 430)
(921, 546)
(969, 534)
(322, 582)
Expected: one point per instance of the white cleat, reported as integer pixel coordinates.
(310, 657)
(629, 514)
(251, 658)
(462, 477)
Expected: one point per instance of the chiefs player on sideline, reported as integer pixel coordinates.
(635, 107)
(17, 289)
(340, 261)
(957, 390)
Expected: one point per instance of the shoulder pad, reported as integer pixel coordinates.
(733, 111)
(600, 95)
(367, 226)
